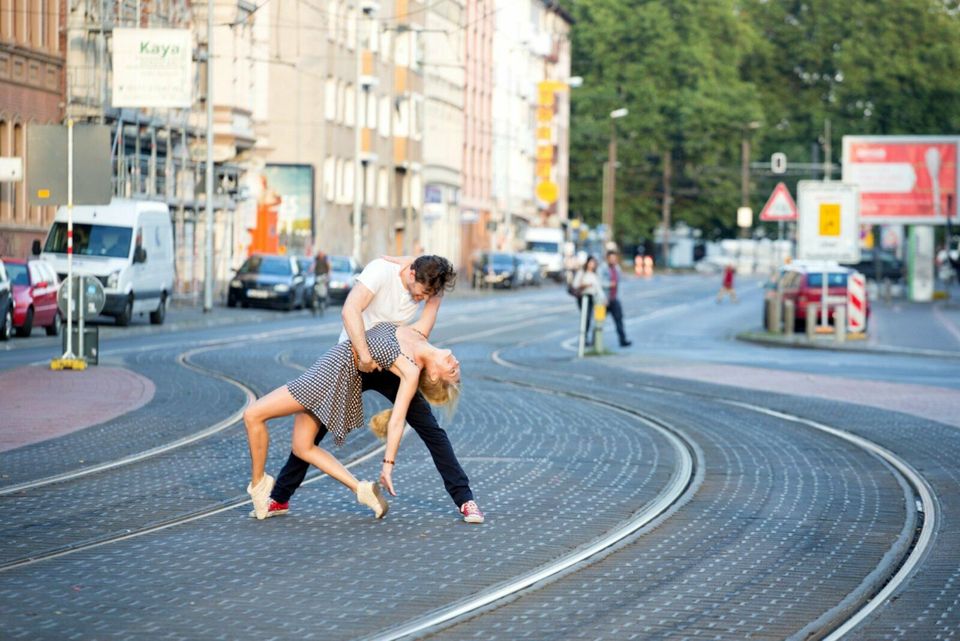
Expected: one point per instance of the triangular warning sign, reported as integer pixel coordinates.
(780, 206)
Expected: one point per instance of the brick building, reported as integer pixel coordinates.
(32, 87)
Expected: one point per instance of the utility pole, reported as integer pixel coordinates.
(610, 184)
(827, 164)
(667, 198)
(744, 176)
(208, 253)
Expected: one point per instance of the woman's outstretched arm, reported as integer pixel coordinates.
(409, 378)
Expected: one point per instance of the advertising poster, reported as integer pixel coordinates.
(908, 180)
(294, 186)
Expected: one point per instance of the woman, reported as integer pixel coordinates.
(587, 284)
(329, 395)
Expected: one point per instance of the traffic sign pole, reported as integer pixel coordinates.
(69, 352)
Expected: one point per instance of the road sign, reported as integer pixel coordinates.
(778, 163)
(47, 165)
(93, 297)
(780, 205)
(744, 217)
(828, 225)
(898, 182)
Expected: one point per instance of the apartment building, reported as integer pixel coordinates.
(341, 97)
(443, 138)
(32, 63)
(530, 128)
(476, 206)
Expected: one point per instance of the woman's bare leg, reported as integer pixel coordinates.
(305, 427)
(277, 403)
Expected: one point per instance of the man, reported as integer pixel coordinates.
(611, 277)
(726, 284)
(392, 292)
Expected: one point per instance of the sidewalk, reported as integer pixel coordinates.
(898, 327)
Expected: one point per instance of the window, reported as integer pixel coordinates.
(330, 99)
(351, 28)
(350, 105)
(371, 120)
(385, 116)
(341, 101)
(42, 8)
(370, 185)
(329, 178)
(332, 13)
(382, 189)
(348, 181)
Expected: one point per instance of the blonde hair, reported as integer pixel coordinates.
(438, 392)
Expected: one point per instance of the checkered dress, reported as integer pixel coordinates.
(331, 389)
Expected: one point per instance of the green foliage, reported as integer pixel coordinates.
(696, 73)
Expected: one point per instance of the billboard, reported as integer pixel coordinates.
(152, 68)
(901, 178)
(294, 185)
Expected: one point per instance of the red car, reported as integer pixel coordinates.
(802, 282)
(34, 285)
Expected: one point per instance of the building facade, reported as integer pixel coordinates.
(530, 129)
(443, 138)
(476, 206)
(32, 60)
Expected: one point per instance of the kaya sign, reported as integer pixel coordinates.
(152, 68)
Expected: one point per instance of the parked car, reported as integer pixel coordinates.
(531, 270)
(268, 280)
(6, 304)
(34, 284)
(343, 276)
(891, 267)
(498, 269)
(802, 283)
(128, 246)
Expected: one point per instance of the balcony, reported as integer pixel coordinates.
(368, 78)
(367, 153)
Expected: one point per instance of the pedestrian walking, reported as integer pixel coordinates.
(321, 273)
(586, 285)
(327, 397)
(610, 277)
(391, 291)
(726, 285)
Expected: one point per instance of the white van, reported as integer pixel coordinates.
(546, 243)
(128, 246)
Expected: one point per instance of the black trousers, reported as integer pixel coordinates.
(616, 311)
(421, 419)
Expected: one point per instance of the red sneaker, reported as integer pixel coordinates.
(274, 509)
(471, 513)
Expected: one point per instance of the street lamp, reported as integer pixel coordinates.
(745, 214)
(610, 173)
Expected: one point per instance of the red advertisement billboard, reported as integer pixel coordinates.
(899, 175)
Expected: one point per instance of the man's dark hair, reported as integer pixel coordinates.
(435, 273)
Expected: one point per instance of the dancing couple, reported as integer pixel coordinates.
(377, 351)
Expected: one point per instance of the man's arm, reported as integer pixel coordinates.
(352, 315)
(428, 318)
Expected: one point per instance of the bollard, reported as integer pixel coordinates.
(840, 322)
(599, 316)
(887, 291)
(811, 320)
(789, 317)
(583, 326)
(773, 315)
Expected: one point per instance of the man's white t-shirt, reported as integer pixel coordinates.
(391, 302)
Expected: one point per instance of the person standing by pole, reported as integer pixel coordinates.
(611, 277)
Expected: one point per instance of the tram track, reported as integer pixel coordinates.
(898, 565)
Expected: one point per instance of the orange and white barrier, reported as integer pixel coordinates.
(856, 303)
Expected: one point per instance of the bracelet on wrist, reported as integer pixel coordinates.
(389, 461)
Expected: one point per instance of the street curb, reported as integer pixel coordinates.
(773, 340)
